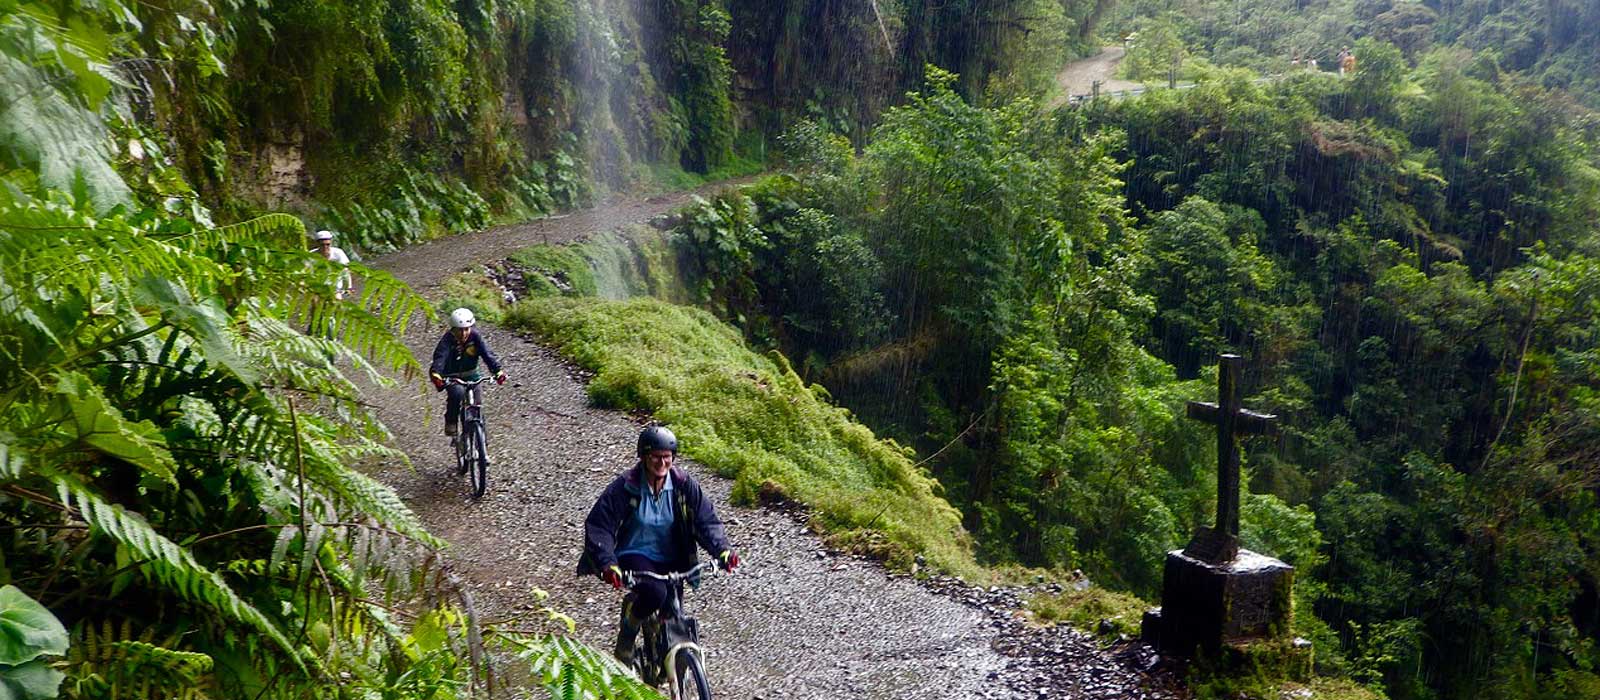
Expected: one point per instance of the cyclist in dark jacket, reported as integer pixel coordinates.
(649, 519)
(457, 355)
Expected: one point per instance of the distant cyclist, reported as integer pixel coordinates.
(649, 519)
(457, 355)
(335, 254)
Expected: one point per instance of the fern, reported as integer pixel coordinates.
(109, 661)
(570, 670)
(164, 560)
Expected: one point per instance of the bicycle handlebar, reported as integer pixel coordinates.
(463, 382)
(630, 576)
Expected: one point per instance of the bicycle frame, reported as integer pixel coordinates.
(472, 403)
(669, 660)
(471, 441)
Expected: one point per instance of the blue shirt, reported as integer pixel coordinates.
(652, 525)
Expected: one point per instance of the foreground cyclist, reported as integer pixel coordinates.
(649, 519)
(457, 355)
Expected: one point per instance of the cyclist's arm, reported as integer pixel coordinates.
(441, 355)
(708, 528)
(488, 355)
(600, 528)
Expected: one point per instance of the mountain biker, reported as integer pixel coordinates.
(649, 519)
(457, 355)
(327, 249)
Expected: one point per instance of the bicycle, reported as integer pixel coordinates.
(668, 646)
(471, 442)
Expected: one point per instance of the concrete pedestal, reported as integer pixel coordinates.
(1205, 605)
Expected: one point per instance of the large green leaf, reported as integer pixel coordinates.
(100, 425)
(34, 680)
(27, 630)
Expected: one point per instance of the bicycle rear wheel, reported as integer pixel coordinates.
(478, 459)
(692, 683)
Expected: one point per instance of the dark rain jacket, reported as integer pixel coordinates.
(611, 521)
(451, 358)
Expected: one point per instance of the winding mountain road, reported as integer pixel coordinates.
(796, 622)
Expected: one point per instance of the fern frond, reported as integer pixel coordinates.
(165, 561)
(281, 230)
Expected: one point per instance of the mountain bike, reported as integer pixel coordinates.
(668, 646)
(471, 442)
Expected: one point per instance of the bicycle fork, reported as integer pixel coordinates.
(671, 662)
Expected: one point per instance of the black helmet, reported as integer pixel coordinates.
(656, 437)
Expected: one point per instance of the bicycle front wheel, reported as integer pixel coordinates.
(478, 460)
(459, 442)
(692, 683)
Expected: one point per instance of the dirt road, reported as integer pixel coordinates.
(796, 622)
(1078, 77)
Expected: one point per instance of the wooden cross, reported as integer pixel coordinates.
(1221, 544)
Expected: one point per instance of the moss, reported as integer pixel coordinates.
(1093, 609)
(555, 270)
(1257, 669)
(475, 291)
(750, 417)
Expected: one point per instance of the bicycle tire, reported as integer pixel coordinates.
(478, 460)
(692, 683)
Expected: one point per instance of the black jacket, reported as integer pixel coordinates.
(451, 358)
(611, 519)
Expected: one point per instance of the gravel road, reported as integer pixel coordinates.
(795, 622)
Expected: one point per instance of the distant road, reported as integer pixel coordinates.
(1078, 77)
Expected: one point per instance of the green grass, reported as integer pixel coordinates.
(1085, 609)
(750, 417)
(472, 290)
(669, 177)
(555, 271)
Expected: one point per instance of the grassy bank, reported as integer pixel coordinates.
(751, 418)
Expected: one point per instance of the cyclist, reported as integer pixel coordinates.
(327, 249)
(649, 519)
(457, 355)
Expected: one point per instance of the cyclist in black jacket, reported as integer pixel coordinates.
(649, 519)
(457, 355)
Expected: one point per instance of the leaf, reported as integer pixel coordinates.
(205, 320)
(100, 425)
(27, 629)
(172, 565)
(34, 680)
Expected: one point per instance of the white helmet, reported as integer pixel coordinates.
(462, 318)
(323, 235)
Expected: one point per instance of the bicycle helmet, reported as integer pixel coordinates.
(323, 235)
(657, 437)
(462, 318)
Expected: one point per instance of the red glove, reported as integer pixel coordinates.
(500, 377)
(730, 560)
(438, 381)
(613, 576)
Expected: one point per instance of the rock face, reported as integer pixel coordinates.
(1206, 605)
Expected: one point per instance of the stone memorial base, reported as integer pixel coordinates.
(1206, 605)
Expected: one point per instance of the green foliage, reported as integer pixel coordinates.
(555, 270)
(416, 207)
(1156, 51)
(1105, 613)
(28, 633)
(750, 417)
(572, 671)
(56, 85)
(472, 290)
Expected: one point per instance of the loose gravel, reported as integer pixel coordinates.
(795, 622)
